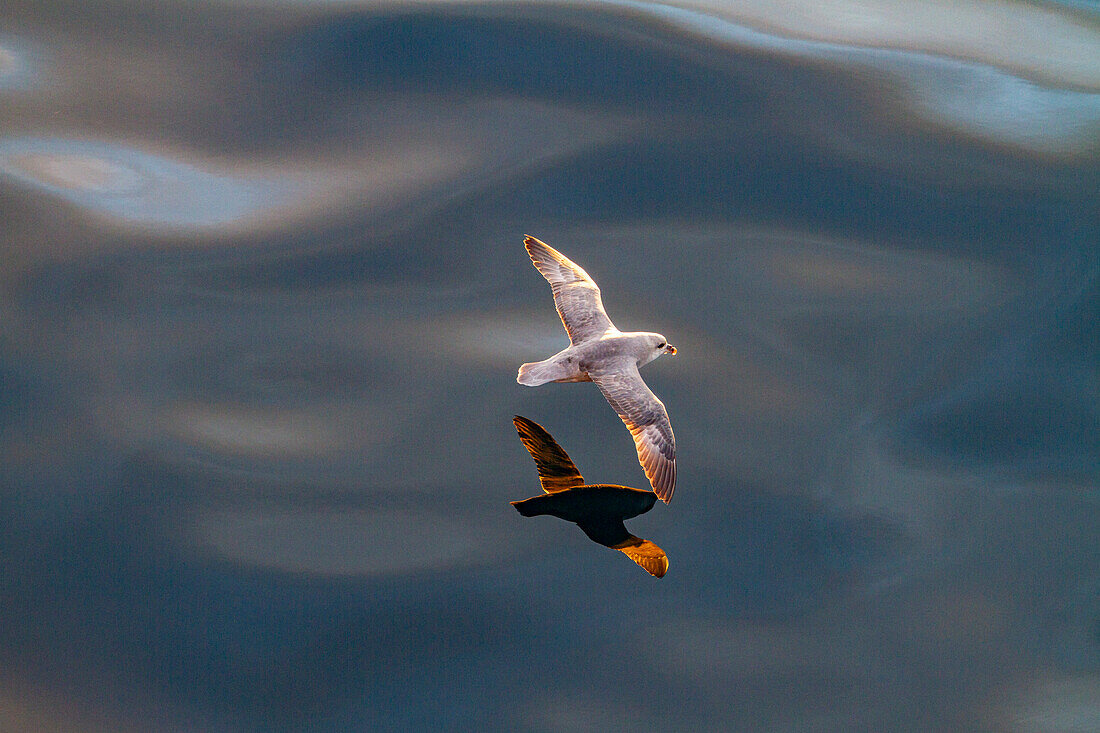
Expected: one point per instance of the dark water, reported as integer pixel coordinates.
(263, 295)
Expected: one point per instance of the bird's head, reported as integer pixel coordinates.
(660, 345)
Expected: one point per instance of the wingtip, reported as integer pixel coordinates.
(532, 246)
(663, 481)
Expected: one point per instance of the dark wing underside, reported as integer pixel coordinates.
(613, 534)
(607, 531)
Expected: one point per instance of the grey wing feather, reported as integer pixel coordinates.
(646, 418)
(576, 295)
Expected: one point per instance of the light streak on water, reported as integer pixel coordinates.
(124, 183)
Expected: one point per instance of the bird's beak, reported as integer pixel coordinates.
(671, 349)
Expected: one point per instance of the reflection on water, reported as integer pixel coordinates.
(261, 311)
(598, 509)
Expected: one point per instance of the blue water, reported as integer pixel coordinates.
(263, 295)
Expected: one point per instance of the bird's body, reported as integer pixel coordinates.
(572, 364)
(599, 352)
(598, 509)
(575, 505)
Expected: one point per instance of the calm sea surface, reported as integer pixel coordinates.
(263, 295)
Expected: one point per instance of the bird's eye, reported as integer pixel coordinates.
(661, 345)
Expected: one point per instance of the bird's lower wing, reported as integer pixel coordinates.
(612, 533)
(576, 295)
(646, 418)
(646, 554)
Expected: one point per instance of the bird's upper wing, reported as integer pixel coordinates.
(646, 554)
(645, 416)
(576, 295)
(556, 471)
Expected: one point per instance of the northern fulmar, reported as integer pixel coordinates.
(598, 509)
(598, 352)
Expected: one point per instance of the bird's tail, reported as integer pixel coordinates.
(538, 372)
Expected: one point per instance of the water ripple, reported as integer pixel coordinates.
(124, 183)
(961, 81)
(19, 65)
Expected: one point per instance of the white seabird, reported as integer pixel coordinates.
(598, 352)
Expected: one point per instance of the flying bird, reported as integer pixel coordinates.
(598, 509)
(598, 352)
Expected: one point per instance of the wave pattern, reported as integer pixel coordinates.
(263, 295)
